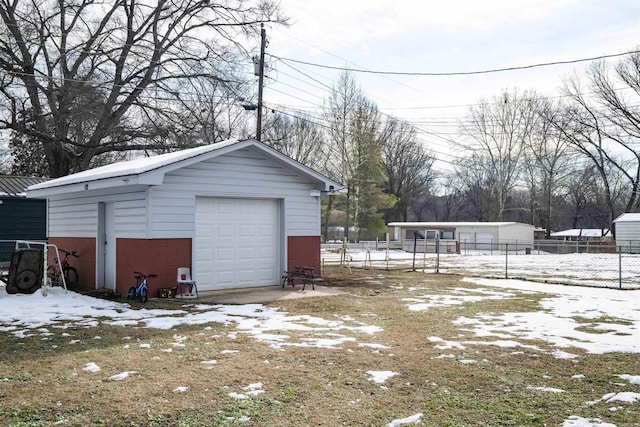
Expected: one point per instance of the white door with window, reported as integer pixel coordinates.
(237, 243)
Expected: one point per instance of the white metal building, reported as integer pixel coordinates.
(465, 235)
(627, 228)
(581, 234)
(238, 213)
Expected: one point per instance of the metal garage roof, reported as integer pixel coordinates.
(16, 186)
(151, 170)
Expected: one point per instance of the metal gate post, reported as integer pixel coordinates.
(620, 267)
(437, 254)
(506, 261)
(413, 268)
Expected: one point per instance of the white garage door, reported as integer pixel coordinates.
(484, 241)
(464, 237)
(237, 243)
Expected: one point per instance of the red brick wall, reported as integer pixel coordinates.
(163, 257)
(150, 256)
(303, 250)
(86, 261)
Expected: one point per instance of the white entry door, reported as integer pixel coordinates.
(237, 243)
(106, 247)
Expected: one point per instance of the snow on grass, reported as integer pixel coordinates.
(549, 389)
(250, 390)
(121, 376)
(556, 322)
(633, 379)
(254, 389)
(379, 377)
(91, 367)
(374, 346)
(237, 396)
(625, 396)
(23, 315)
(575, 421)
(582, 269)
(595, 320)
(413, 419)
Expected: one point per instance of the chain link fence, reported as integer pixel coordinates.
(598, 264)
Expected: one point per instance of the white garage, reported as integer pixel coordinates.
(465, 235)
(237, 242)
(627, 227)
(237, 213)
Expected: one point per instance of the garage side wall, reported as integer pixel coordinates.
(522, 234)
(304, 251)
(628, 235)
(73, 225)
(150, 256)
(76, 214)
(86, 261)
(478, 233)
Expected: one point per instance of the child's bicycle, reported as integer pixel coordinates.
(140, 291)
(70, 273)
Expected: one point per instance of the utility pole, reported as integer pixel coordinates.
(263, 43)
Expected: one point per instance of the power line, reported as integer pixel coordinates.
(456, 73)
(347, 61)
(325, 126)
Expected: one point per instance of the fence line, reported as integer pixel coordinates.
(581, 263)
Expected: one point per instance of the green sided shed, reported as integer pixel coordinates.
(20, 218)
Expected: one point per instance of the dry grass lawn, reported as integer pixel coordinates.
(42, 382)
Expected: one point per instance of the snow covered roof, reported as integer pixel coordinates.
(447, 225)
(151, 170)
(628, 217)
(581, 232)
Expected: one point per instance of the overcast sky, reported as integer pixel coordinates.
(444, 36)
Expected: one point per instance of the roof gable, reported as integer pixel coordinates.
(151, 170)
(628, 217)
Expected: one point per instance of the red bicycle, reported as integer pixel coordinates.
(70, 273)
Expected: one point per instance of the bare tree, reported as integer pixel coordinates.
(443, 199)
(355, 155)
(298, 137)
(622, 113)
(496, 131)
(83, 78)
(5, 155)
(582, 125)
(408, 165)
(208, 112)
(476, 183)
(547, 164)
